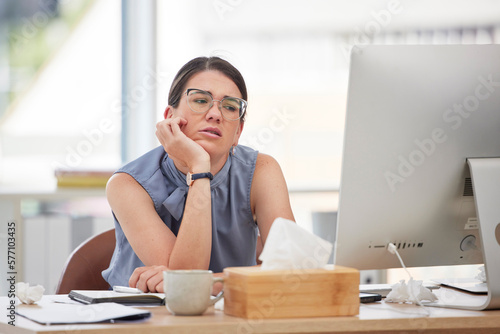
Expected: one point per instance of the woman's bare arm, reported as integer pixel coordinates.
(152, 241)
(269, 194)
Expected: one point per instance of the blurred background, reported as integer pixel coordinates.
(83, 83)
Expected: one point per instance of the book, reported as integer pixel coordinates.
(82, 177)
(107, 296)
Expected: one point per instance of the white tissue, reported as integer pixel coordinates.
(414, 292)
(481, 275)
(288, 246)
(29, 294)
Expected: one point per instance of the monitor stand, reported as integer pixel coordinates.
(485, 174)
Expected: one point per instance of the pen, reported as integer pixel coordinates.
(126, 289)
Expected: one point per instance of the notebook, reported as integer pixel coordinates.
(107, 296)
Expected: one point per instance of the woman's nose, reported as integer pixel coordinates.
(214, 112)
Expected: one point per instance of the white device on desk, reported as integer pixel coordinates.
(421, 166)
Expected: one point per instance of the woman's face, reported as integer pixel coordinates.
(211, 130)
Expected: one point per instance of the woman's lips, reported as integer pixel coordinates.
(212, 132)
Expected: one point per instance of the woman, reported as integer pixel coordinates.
(198, 201)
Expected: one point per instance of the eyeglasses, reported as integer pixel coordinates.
(200, 101)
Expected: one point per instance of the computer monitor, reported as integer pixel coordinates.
(415, 115)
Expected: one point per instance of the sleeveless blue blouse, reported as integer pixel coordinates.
(234, 231)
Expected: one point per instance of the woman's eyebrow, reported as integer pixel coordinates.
(222, 97)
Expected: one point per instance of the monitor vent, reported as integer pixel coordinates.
(468, 191)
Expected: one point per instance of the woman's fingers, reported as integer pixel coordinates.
(179, 146)
(134, 278)
(176, 125)
(170, 130)
(148, 279)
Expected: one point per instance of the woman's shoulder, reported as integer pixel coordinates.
(266, 164)
(122, 185)
(140, 176)
(265, 160)
(257, 161)
(123, 182)
(120, 179)
(245, 155)
(144, 167)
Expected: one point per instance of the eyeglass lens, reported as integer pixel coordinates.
(201, 101)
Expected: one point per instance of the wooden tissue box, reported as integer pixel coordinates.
(252, 293)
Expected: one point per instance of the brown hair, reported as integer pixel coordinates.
(201, 64)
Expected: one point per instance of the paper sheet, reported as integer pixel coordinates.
(57, 313)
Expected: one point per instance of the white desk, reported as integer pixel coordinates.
(378, 317)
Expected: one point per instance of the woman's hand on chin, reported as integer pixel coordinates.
(148, 279)
(181, 148)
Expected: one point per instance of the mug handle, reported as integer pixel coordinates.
(215, 299)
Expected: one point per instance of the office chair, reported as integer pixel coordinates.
(85, 264)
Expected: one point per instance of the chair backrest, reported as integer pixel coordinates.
(83, 268)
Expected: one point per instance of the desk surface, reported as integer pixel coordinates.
(376, 317)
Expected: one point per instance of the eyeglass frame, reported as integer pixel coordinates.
(245, 104)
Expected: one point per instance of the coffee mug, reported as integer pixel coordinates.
(189, 292)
